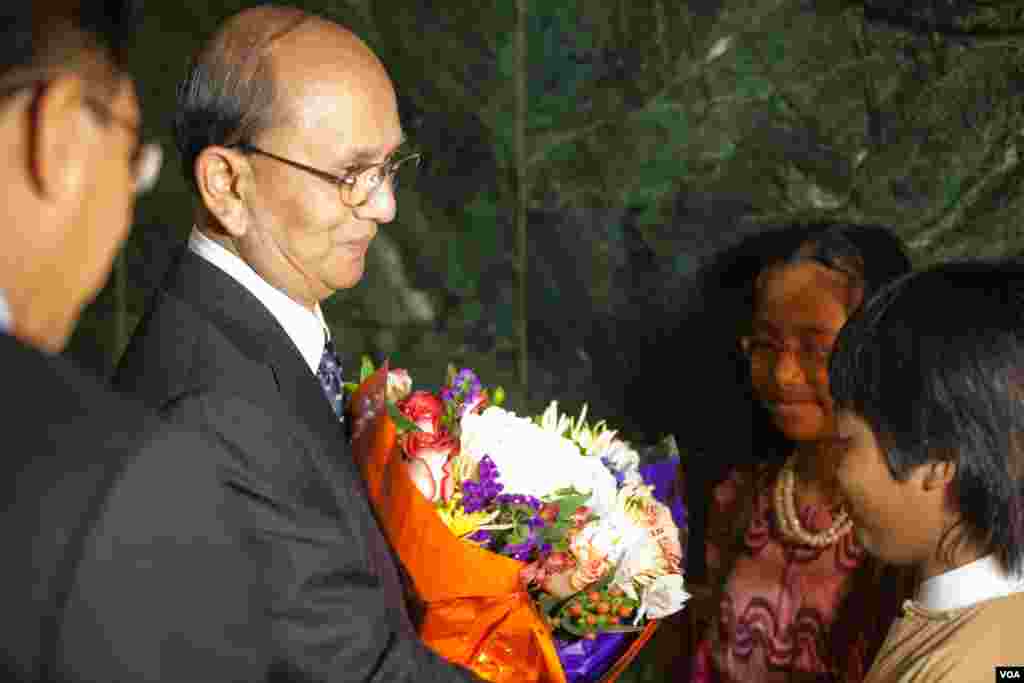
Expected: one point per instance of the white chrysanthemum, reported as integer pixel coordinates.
(611, 536)
(663, 597)
(619, 456)
(553, 421)
(532, 460)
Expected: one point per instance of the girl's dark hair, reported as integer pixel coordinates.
(870, 255)
(935, 365)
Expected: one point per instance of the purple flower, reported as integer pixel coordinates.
(522, 551)
(464, 393)
(478, 495)
(466, 382)
(619, 475)
(483, 537)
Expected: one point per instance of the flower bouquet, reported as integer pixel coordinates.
(538, 548)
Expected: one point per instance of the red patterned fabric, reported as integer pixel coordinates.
(777, 601)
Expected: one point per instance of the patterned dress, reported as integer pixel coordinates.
(778, 601)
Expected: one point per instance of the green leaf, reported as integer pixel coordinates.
(548, 603)
(402, 423)
(517, 536)
(568, 505)
(366, 369)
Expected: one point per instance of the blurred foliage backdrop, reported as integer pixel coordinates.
(634, 138)
(626, 141)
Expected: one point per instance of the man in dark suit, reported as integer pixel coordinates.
(108, 576)
(289, 132)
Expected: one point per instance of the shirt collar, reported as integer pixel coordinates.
(307, 329)
(964, 586)
(5, 315)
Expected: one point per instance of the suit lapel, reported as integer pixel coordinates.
(243, 318)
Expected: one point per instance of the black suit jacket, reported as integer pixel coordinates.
(208, 353)
(107, 576)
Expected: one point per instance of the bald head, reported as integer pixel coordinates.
(255, 71)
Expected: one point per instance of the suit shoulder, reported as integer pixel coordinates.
(176, 351)
(51, 389)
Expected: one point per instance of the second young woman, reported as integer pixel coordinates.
(797, 599)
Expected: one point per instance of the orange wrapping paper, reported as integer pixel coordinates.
(477, 613)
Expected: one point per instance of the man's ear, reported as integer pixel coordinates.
(222, 175)
(62, 139)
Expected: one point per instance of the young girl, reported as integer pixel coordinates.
(793, 597)
(929, 381)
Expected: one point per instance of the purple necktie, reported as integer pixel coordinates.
(329, 374)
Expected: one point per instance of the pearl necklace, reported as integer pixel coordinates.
(789, 520)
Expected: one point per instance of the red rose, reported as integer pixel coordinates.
(423, 408)
(426, 445)
(429, 450)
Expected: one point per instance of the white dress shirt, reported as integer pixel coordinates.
(964, 586)
(5, 315)
(306, 328)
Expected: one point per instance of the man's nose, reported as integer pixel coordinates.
(381, 206)
(787, 368)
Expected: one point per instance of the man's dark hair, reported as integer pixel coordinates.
(228, 94)
(935, 365)
(41, 37)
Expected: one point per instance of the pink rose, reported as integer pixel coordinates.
(429, 450)
(540, 571)
(429, 455)
(591, 563)
(581, 516)
(399, 385)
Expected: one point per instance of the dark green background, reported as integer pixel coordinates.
(656, 132)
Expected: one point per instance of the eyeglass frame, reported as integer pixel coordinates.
(810, 359)
(142, 150)
(144, 180)
(349, 180)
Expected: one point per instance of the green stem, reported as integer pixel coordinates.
(522, 193)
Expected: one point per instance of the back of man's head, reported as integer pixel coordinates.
(69, 127)
(39, 38)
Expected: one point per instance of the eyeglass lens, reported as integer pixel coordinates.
(370, 180)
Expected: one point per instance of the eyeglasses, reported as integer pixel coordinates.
(357, 186)
(146, 158)
(765, 352)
